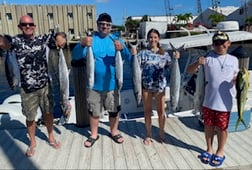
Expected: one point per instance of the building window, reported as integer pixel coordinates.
(30, 14)
(89, 16)
(71, 31)
(70, 15)
(241, 11)
(9, 16)
(50, 16)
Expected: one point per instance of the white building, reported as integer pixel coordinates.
(241, 13)
(168, 19)
(203, 18)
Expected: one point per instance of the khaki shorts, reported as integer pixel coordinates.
(100, 101)
(32, 101)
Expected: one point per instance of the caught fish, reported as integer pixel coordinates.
(90, 64)
(242, 86)
(137, 78)
(12, 70)
(90, 67)
(119, 69)
(175, 81)
(118, 63)
(64, 84)
(199, 90)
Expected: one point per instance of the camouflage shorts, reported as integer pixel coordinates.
(41, 98)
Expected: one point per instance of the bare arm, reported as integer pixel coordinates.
(193, 68)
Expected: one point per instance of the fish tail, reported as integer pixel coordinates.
(238, 122)
(243, 122)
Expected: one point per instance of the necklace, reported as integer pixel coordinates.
(222, 63)
(154, 50)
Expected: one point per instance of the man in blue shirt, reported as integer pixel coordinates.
(105, 92)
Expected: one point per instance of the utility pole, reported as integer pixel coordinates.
(199, 10)
(168, 10)
(199, 7)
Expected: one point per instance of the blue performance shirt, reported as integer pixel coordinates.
(104, 54)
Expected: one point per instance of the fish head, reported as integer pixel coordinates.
(242, 79)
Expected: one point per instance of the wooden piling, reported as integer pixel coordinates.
(80, 79)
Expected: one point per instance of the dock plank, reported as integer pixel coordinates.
(185, 141)
(137, 141)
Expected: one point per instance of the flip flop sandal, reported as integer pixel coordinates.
(116, 138)
(205, 157)
(55, 144)
(91, 141)
(217, 160)
(30, 151)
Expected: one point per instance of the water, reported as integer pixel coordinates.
(5, 90)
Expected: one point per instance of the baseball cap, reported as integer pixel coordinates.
(220, 36)
(104, 17)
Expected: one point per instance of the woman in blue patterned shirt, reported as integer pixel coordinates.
(155, 64)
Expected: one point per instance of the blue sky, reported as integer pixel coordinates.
(120, 9)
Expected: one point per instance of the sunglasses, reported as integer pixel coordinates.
(105, 24)
(27, 24)
(217, 43)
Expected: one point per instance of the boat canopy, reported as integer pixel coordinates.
(204, 39)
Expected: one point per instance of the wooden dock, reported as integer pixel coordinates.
(185, 141)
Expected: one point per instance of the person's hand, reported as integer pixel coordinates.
(4, 43)
(176, 54)
(86, 41)
(60, 41)
(118, 45)
(133, 50)
(201, 60)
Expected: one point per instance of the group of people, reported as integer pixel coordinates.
(220, 68)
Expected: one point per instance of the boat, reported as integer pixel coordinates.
(185, 139)
(194, 45)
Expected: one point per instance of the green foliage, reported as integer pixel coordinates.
(144, 18)
(249, 20)
(184, 18)
(118, 28)
(132, 25)
(215, 18)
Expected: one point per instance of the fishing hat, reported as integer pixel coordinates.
(220, 36)
(104, 17)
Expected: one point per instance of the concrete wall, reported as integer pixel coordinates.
(74, 20)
